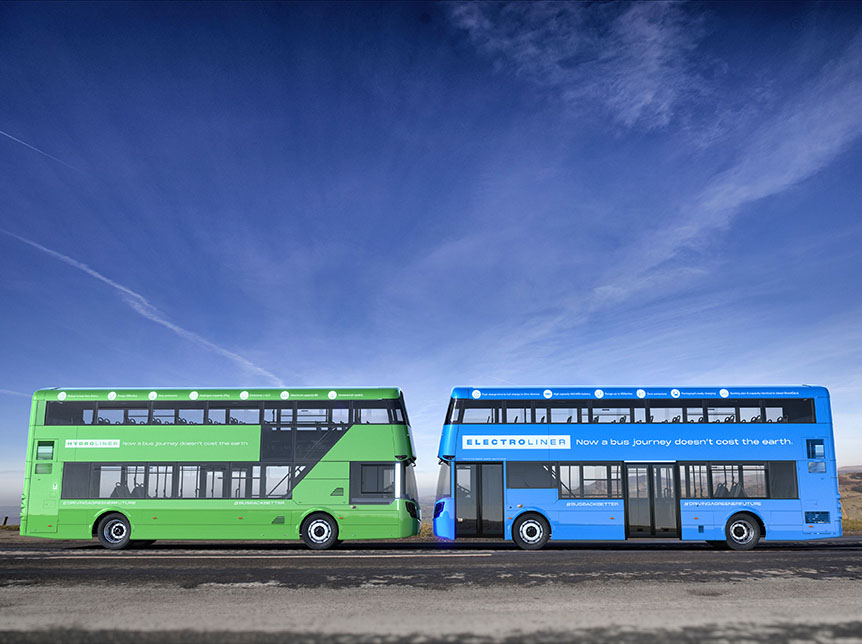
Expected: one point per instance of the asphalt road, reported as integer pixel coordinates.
(428, 592)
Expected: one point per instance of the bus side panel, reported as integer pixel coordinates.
(570, 519)
(589, 519)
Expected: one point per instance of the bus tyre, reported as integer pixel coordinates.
(531, 531)
(742, 531)
(114, 531)
(319, 531)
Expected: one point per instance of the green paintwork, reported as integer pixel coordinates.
(45, 514)
(169, 395)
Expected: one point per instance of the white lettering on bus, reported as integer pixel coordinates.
(516, 442)
(101, 442)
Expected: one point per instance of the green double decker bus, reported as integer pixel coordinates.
(129, 466)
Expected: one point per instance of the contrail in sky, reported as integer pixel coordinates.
(35, 149)
(142, 306)
(9, 392)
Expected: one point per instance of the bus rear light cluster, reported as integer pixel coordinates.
(412, 510)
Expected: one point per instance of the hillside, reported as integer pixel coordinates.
(850, 486)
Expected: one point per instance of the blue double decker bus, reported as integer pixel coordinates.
(730, 466)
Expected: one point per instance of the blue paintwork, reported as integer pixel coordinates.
(700, 519)
(444, 523)
(590, 393)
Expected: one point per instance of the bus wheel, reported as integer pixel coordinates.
(319, 531)
(742, 531)
(114, 531)
(531, 531)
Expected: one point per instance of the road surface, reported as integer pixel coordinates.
(429, 592)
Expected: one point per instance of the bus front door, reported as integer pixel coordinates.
(478, 500)
(652, 501)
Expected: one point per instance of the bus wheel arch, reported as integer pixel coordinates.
(531, 530)
(113, 530)
(743, 530)
(319, 530)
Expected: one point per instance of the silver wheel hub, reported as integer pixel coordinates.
(531, 531)
(319, 531)
(115, 531)
(741, 532)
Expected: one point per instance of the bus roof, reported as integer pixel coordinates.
(254, 394)
(604, 393)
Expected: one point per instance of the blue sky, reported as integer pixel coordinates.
(429, 196)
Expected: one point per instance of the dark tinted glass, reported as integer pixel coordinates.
(314, 441)
(797, 411)
(276, 443)
(530, 475)
(76, 480)
(69, 413)
(782, 480)
(377, 479)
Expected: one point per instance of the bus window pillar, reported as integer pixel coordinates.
(399, 480)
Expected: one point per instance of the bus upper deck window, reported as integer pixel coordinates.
(816, 448)
(45, 450)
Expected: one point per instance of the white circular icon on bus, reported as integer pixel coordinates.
(332, 395)
(193, 395)
(599, 393)
(724, 393)
(641, 393)
(285, 395)
(674, 393)
(243, 395)
(112, 395)
(61, 395)
(152, 395)
(547, 393)
(476, 394)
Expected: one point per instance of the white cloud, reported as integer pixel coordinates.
(790, 146)
(143, 307)
(633, 59)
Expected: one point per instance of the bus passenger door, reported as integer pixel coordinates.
(479, 500)
(652, 501)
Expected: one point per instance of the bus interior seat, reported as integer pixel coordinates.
(120, 491)
(569, 419)
(138, 492)
(721, 491)
(543, 420)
